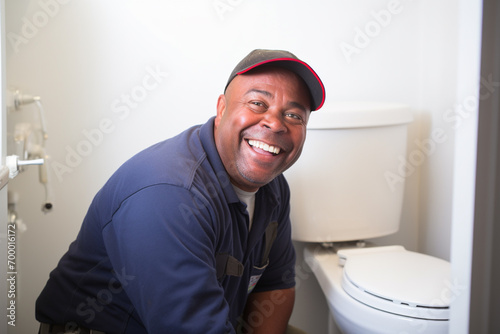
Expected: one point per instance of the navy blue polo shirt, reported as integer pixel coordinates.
(165, 246)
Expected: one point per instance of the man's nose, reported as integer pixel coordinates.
(274, 121)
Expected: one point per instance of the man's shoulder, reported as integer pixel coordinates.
(279, 186)
(172, 161)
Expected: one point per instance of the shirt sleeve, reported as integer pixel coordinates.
(163, 239)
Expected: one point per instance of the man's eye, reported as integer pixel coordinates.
(294, 117)
(258, 106)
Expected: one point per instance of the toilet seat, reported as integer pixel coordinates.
(399, 282)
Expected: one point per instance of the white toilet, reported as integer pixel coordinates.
(347, 188)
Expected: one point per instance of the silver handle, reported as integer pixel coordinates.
(30, 162)
(12, 162)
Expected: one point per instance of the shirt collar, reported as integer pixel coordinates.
(208, 143)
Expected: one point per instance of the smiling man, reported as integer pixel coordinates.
(261, 125)
(192, 235)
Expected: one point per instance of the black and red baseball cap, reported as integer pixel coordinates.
(288, 61)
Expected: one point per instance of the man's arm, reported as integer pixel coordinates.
(162, 238)
(268, 312)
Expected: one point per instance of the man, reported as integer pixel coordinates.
(192, 235)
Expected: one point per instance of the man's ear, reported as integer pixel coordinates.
(221, 109)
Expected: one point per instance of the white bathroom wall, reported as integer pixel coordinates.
(439, 33)
(117, 76)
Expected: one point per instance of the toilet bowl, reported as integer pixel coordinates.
(349, 185)
(383, 289)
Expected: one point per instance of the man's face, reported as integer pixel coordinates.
(260, 126)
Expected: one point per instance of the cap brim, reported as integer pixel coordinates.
(302, 69)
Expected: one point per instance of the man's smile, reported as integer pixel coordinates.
(275, 150)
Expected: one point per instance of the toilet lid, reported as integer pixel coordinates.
(402, 282)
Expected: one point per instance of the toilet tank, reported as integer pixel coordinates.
(348, 183)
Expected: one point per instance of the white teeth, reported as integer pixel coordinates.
(264, 146)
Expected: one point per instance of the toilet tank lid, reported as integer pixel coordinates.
(341, 115)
